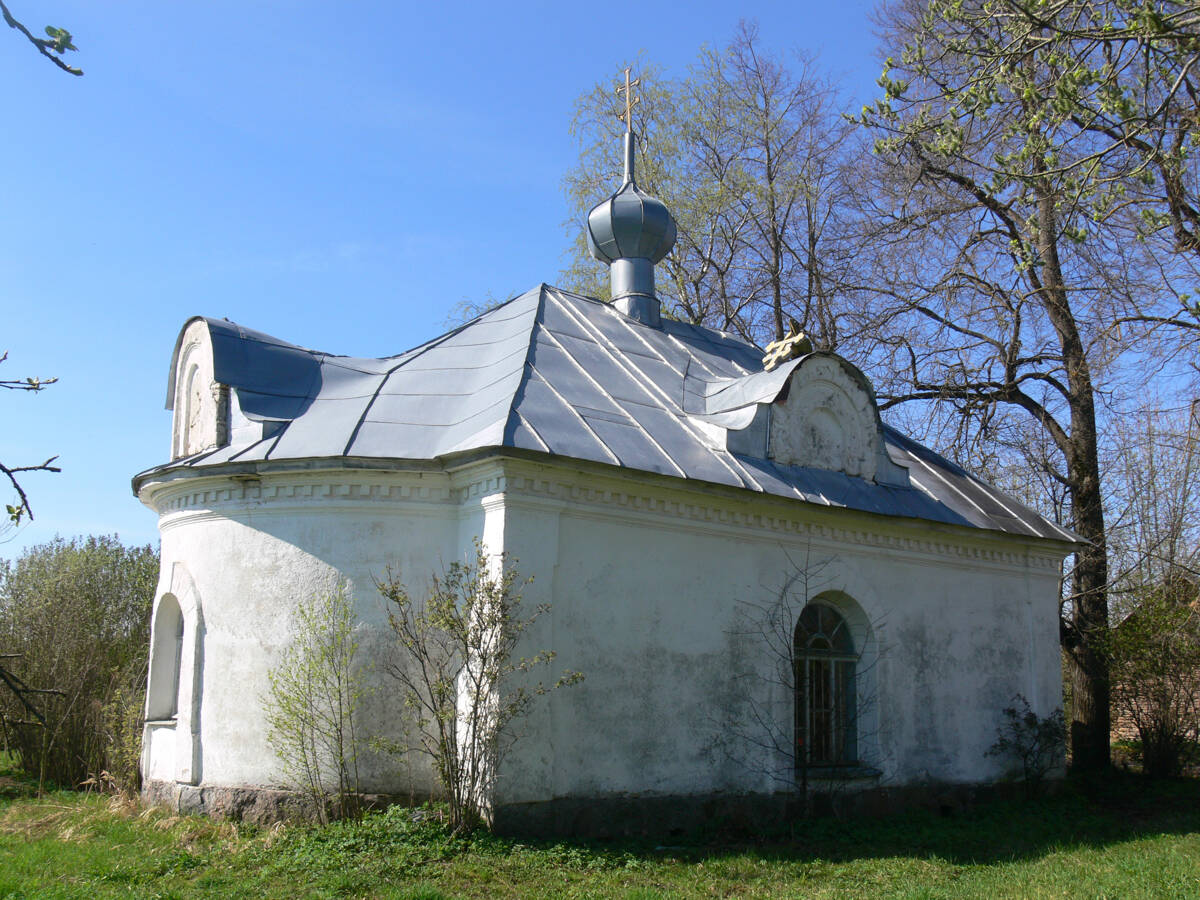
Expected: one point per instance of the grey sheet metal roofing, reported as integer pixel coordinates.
(565, 375)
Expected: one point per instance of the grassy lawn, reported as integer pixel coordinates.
(1142, 840)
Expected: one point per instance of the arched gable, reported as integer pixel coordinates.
(200, 403)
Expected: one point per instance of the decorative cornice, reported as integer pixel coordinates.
(580, 491)
(762, 518)
(338, 488)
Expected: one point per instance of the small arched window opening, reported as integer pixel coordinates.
(825, 689)
(165, 661)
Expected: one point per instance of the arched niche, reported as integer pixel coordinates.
(166, 657)
(171, 743)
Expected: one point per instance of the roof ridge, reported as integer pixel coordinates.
(422, 349)
(539, 311)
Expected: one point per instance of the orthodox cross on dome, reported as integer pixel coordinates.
(630, 100)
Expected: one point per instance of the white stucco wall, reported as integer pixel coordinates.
(649, 581)
(652, 592)
(252, 548)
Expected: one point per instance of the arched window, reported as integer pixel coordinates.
(165, 661)
(825, 661)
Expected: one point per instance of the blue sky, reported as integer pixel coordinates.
(338, 175)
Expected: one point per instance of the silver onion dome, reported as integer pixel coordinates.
(630, 232)
(630, 224)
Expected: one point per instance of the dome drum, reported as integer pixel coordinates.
(633, 290)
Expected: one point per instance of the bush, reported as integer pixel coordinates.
(1156, 674)
(1038, 743)
(313, 704)
(459, 678)
(75, 620)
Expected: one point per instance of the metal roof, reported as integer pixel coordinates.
(566, 375)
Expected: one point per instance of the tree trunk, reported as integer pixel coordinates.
(1087, 660)
(1086, 637)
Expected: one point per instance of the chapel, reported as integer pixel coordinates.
(765, 587)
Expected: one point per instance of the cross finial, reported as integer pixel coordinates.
(630, 100)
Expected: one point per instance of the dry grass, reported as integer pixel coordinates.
(34, 822)
(79, 821)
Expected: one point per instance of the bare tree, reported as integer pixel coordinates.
(801, 709)
(1156, 500)
(998, 292)
(459, 677)
(749, 152)
(21, 508)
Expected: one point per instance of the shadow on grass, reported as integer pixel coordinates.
(1085, 813)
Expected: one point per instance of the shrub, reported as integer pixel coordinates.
(312, 706)
(1156, 674)
(454, 668)
(1037, 742)
(75, 620)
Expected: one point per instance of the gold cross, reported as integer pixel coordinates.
(795, 343)
(630, 100)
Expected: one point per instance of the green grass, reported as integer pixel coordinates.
(1141, 840)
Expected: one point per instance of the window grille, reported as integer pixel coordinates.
(825, 689)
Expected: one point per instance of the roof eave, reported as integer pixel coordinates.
(455, 462)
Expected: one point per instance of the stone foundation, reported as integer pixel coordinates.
(259, 806)
(613, 817)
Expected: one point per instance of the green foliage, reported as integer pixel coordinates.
(76, 615)
(60, 39)
(1103, 93)
(1155, 655)
(461, 683)
(313, 703)
(1038, 743)
(123, 717)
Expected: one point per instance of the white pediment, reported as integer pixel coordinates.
(199, 402)
(825, 419)
(819, 412)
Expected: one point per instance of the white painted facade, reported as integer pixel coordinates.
(658, 586)
(648, 579)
